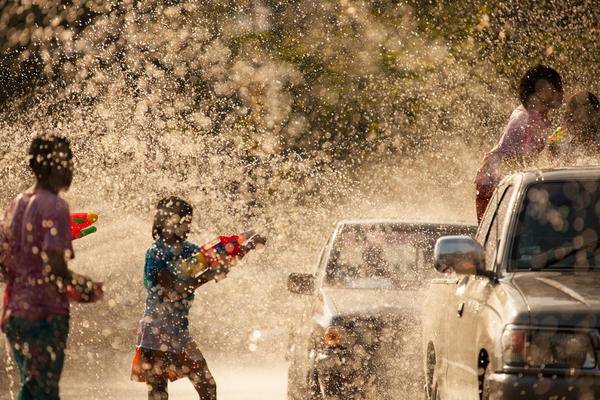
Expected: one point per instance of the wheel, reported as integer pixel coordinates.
(314, 391)
(483, 378)
(435, 394)
(485, 386)
(429, 372)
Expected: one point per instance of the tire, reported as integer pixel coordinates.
(314, 391)
(429, 372)
(486, 390)
(435, 393)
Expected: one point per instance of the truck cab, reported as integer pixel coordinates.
(515, 312)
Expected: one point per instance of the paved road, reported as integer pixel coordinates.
(237, 379)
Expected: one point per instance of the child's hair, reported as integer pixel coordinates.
(46, 153)
(591, 107)
(527, 84)
(167, 207)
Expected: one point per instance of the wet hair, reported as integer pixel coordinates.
(165, 208)
(46, 153)
(532, 76)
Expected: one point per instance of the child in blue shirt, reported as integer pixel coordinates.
(166, 350)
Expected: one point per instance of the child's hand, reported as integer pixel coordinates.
(220, 272)
(98, 291)
(85, 293)
(258, 240)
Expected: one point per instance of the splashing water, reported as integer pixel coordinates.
(282, 116)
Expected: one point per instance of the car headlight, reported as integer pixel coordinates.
(337, 336)
(548, 348)
(332, 336)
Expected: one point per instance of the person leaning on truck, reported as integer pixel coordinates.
(521, 140)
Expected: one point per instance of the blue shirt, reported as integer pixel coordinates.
(165, 323)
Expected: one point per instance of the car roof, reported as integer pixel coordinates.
(559, 174)
(411, 223)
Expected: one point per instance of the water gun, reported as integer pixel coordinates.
(81, 224)
(222, 250)
(558, 135)
(80, 227)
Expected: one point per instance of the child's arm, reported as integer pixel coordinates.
(56, 268)
(173, 291)
(256, 240)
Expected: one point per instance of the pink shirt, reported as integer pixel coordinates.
(523, 137)
(33, 223)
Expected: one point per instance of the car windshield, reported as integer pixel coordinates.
(558, 227)
(378, 256)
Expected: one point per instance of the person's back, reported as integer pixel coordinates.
(35, 222)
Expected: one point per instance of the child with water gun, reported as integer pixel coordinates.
(581, 133)
(35, 244)
(173, 270)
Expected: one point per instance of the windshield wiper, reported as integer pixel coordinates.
(556, 257)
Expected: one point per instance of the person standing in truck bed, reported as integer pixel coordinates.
(580, 136)
(525, 135)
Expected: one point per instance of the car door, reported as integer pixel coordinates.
(469, 301)
(300, 334)
(435, 327)
(436, 311)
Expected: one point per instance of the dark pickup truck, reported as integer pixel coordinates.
(359, 337)
(517, 313)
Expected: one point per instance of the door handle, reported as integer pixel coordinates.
(461, 308)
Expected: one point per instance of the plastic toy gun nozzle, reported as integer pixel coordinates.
(81, 218)
(84, 232)
(81, 224)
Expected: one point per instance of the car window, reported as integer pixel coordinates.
(377, 256)
(558, 226)
(321, 261)
(492, 239)
(484, 226)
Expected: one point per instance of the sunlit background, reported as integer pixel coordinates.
(283, 116)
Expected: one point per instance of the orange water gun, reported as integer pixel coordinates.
(81, 224)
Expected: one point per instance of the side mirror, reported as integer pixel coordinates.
(301, 283)
(459, 253)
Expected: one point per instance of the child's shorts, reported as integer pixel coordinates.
(158, 365)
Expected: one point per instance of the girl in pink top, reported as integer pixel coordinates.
(35, 242)
(525, 135)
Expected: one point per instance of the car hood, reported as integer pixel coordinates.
(560, 297)
(370, 301)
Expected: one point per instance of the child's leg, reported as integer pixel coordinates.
(204, 384)
(39, 349)
(157, 388)
(199, 374)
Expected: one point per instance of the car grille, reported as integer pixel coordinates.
(386, 339)
(388, 348)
